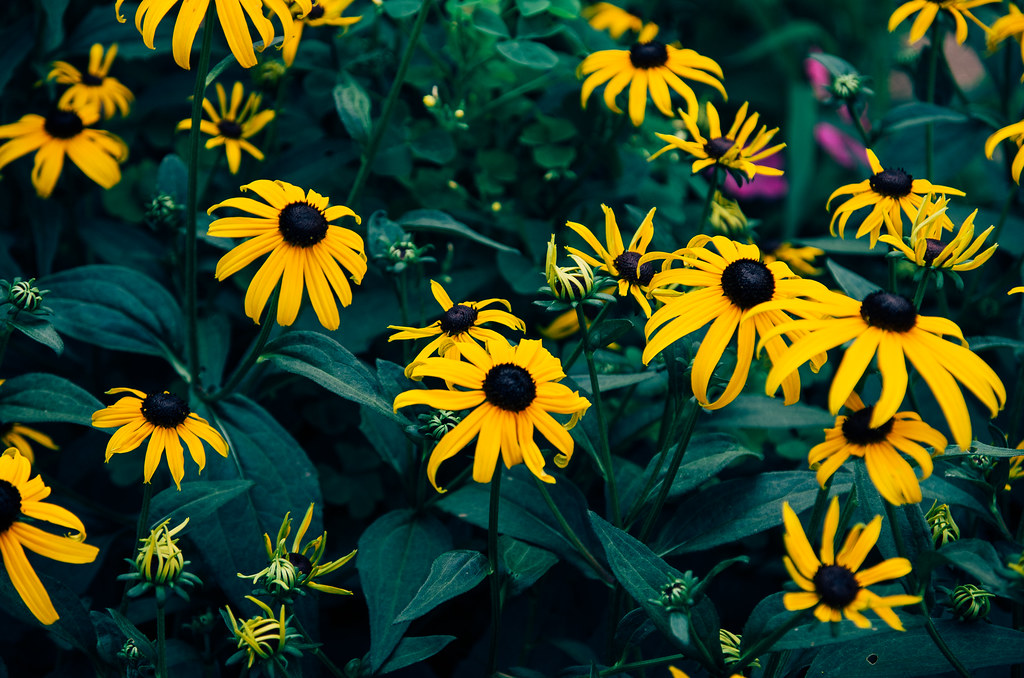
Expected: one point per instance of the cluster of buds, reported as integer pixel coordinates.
(163, 211)
(726, 216)
(438, 424)
(134, 661)
(401, 253)
(266, 640)
(159, 564)
(449, 117)
(23, 295)
(571, 285)
(969, 603)
(268, 74)
(679, 595)
(849, 86)
(944, 528)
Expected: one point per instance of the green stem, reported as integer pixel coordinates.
(324, 659)
(766, 643)
(665, 433)
(941, 644)
(161, 640)
(922, 286)
(1002, 215)
(192, 200)
(894, 285)
(606, 451)
(571, 535)
(568, 362)
(820, 501)
(389, 105)
(929, 130)
(646, 663)
(492, 556)
(689, 424)
(254, 351)
(140, 527)
(515, 93)
(864, 137)
(712, 187)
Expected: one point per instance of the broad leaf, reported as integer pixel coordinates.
(528, 53)
(451, 574)
(353, 106)
(917, 113)
(441, 222)
(759, 411)
(46, 397)
(525, 564)
(412, 650)
(855, 286)
(195, 501)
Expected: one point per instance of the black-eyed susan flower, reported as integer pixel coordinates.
(619, 261)
(93, 89)
(800, 259)
(724, 286)
(322, 13)
(234, 125)
(295, 229)
(888, 325)
(734, 150)
(22, 510)
(18, 437)
(61, 133)
(1007, 26)
(880, 448)
(462, 322)
(648, 65)
(232, 17)
(927, 11)
(676, 673)
(835, 585)
(160, 564)
(604, 16)
(266, 638)
(511, 390)
(926, 247)
(1015, 133)
(890, 193)
(167, 421)
(726, 216)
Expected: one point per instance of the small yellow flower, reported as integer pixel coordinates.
(604, 16)
(322, 13)
(928, 9)
(799, 259)
(18, 436)
(94, 89)
(927, 249)
(263, 638)
(1015, 133)
(726, 216)
(232, 128)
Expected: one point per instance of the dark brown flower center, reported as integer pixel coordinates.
(10, 505)
(892, 183)
(301, 563)
(230, 129)
(748, 283)
(932, 249)
(63, 124)
(857, 431)
(718, 147)
(458, 319)
(648, 54)
(892, 312)
(509, 387)
(836, 585)
(315, 13)
(302, 225)
(626, 264)
(165, 410)
(91, 80)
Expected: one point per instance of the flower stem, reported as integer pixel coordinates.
(689, 423)
(389, 104)
(140, 527)
(254, 351)
(606, 451)
(864, 137)
(571, 535)
(820, 501)
(324, 659)
(632, 666)
(192, 200)
(929, 129)
(492, 556)
(712, 187)
(766, 643)
(922, 286)
(941, 644)
(571, 360)
(161, 640)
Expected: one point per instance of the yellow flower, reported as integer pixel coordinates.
(295, 229)
(64, 133)
(879, 447)
(927, 249)
(648, 64)
(167, 421)
(1014, 133)
(18, 436)
(94, 89)
(888, 324)
(800, 259)
(232, 21)
(604, 16)
(890, 192)
(263, 638)
(233, 127)
(511, 390)
(833, 586)
(928, 9)
(1008, 26)
(618, 260)
(730, 150)
(726, 215)
(323, 13)
(461, 323)
(22, 498)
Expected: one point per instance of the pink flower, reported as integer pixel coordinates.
(840, 146)
(761, 186)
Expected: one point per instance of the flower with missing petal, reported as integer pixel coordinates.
(94, 89)
(322, 13)
(926, 248)
(927, 11)
(234, 125)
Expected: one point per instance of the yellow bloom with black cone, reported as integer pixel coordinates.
(22, 510)
(652, 66)
(890, 193)
(322, 13)
(620, 261)
(887, 324)
(234, 125)
(18, 437)
(927, 10)
(734, 150)
(926, 248)
(306, 250)
(1015, 133)
(835, 585)
(880, 448)
(95, 88)
(64, 133)
(461, 323)
(724, 287)
(511, 391)
(167, 421)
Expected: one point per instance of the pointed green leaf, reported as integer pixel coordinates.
(39, 397)
(451, 574)
(440, 222)
(528, 53)
(413, 650)
(195, 501)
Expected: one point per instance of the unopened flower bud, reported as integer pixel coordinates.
(731, 648)
(569, 283)
(24, 295)
(676, 596)
(162, 210)
(847, 86)
(726, 215)
(970, 602)
(944, 528)
(438, 424)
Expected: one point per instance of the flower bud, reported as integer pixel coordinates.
(24, 295)
(940, 520)
(731, 648)
(969, 602)
(439, 423)
(676, 596)
(570, 283)
(847, 86)
(160, 564)
(162, 211)
(726, 215)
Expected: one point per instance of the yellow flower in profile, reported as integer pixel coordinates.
(604, 16)
(295, 229)
(167, 421)
(323, 13)
(511, 391)
(927, 249)
(733, 150)
(929, 9)
(21, 498)
(835, 585)
(676, 673)
(724, 287)
(266, 638)
(1015, 133)
(648, 65)
(234, 125)
(64, 133)
(889, 192)
(94, 88)
(460, 323)
(232, 17)
(800, 259)
(888, 325)
(726, 216)
(620, 261)
(18, 437)
(1007, 26)
(879, 447)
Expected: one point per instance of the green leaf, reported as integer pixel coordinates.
(608, 331)
(412, 650)
(324, 361)
(917, 113)
(770, 614)
(528, 53)
(980, 560)
(521, 274)
(758, 411)
(834, 64)
(40, 397)
(395, 556)
(565, 9)
(983, 343)
(129, 630)
(552, 156)
(841, 246)
(172, 178)
(15, 43)
(801, 150)
(489, 22)
(381, 233)
(525, 564)
(116, 308)
(855, 286)
(610, 382)
(353, 107)
(74, 626)
(399, 9)
(435, 145)
(195, 501)
(793, 31)
(39, 329)
(451, 574)
(440, 222)
(531, 7)
(53, 31)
